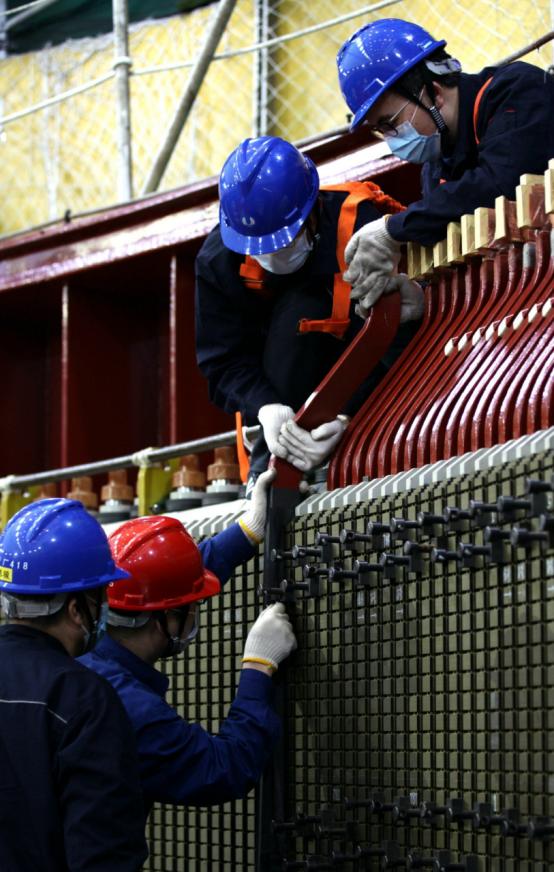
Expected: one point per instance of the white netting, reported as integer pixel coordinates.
(64, 157)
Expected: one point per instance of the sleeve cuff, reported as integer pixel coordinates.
(255, 685)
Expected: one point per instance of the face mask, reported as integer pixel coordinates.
(289, 259)
(410, 145)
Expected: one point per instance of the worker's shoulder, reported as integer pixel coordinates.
(78, 688)
(213, 248)
(518, 72)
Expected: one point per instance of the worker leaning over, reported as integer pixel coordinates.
(70, 798)
(155, 615)
(474, 134)
(273, 313)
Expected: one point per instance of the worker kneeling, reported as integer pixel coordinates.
(155, 614)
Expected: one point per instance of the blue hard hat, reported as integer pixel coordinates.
(54, 546)
(267, 189)
(376, 56)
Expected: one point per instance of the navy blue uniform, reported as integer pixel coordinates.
(180, 762)
(248, 346)
(70, 798)
(515, 128)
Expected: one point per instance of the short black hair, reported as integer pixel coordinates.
(411, 84)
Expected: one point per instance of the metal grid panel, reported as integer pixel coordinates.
(430, 686)
(203, 685)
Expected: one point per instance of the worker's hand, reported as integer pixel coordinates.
(271, 639)
(412, 302)
(306, 449)
(252, 522)
(411, 298)
(372, 255)
(272, 417)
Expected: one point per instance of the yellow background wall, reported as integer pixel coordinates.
(64, 157)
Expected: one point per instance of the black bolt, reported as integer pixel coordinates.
(512, 824)
(337, 573)
(428, 811)
(473, 556)
(392, 564)
(404, 529)
(541, 495)
(521, 537)
(482, 513)
(457, 519)
(444, 556)
(350, 538)
(510, 507)
(427, 520)
(403, 810)
(280, 555)
(300, 552)
(456, 811)
(541, 828)
(312, 570)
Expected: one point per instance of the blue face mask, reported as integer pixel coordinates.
(410, 145)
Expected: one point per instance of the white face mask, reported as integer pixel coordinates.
(289, 259)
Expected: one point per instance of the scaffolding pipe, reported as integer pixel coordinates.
(28, 13)
(147, 457)
(122, 67)
(186, 103)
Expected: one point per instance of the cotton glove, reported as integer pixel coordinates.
(271, 639)
(306, 449)
(252, 522)
(372, 256)
(272, 417)
(412, 302)
(411, 298)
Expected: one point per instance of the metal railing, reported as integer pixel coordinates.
(143, 458)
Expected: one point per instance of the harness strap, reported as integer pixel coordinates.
(339, 321)
(244, 463)
(476, 106)
(253, 274)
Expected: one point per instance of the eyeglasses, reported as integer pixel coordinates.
(388, 128)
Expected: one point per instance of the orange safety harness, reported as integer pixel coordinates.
(253, 274)
(476, 106)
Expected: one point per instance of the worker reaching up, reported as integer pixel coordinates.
(475, 135)
(156, 614)
(273, 313)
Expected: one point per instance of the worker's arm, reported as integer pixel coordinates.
(183, 763)
(222, 553)
(97, 775)
(230, 333)
(516, 131)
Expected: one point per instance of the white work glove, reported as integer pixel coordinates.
(411, 298)
(306, 449)
(272, 417)
(412, 302)
(372, 256)
(271, 639)
(252, 522)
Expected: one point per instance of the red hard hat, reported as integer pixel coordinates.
(164, 563)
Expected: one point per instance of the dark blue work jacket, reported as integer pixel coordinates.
(247, 344)
(515, 129)
(181, 762)
(70, 799)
